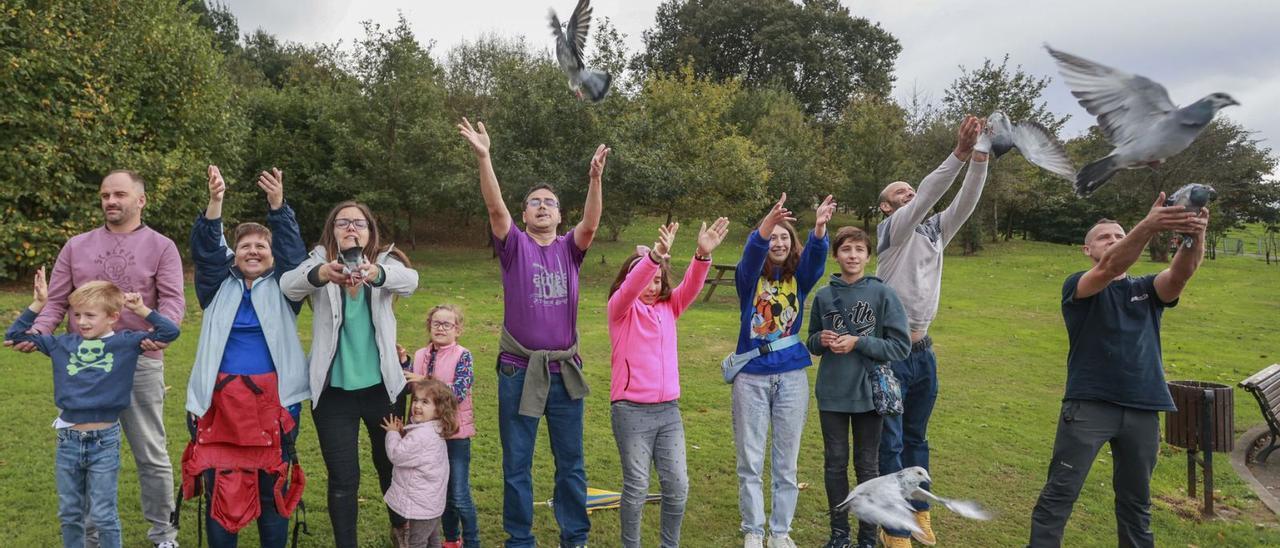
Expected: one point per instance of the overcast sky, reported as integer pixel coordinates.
(1193, 48)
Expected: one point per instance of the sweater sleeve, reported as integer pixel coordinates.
(286, 239)
(165, 330)
(813, 263)
(463, 376)
(398, 278)
(690, 286)
(211, 256)
(932, 188)
(402, 451)
(965, 201)
(171, 298)
(895, 342)
(816, 311)
(749, 266)
(18, 333)
(295, 283)
(632, 286)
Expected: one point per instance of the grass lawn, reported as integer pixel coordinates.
(1001, 348)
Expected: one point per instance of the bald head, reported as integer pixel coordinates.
(894, 196)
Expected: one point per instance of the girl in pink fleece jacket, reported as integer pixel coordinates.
(420, 462)
(645, 384)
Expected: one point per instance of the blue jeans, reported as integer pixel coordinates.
(459, 508)
(518, 433)
(761, 401)
(86, 469)
(904, 442)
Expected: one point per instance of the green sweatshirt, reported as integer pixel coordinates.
(880, 323)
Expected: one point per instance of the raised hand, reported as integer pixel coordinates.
(1175, 218)
(597, 163)
(709, 238)
(824, 212)
(666, 238)
(776, 216)
(967, 136)
(39, 291)
(273, 184)
(476, 136)
(217, 190)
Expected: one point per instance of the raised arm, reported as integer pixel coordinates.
(955, 215)
(696, 275)
(286, 236)
(642, 272)
(499, 217)
(20, 331)
(1123, 254)
(1171, 281)
(209, 249)
(756, 250)
(60, 288)
(904, 221)
(585, 232)
(165, 330)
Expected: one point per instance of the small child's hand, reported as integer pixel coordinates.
(402, 353)
(410, 376)
(391, 423)
(39, 291)
(133, 301)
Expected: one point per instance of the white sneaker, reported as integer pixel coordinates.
(753, 540)
(781, 541)
(168, 544)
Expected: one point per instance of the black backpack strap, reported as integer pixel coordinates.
(301, 523)
(223, 383)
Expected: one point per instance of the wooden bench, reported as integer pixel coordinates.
(1265, 386)
(719, 279)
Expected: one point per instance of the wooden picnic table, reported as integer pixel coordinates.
(719, 279)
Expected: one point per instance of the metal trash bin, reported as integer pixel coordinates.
(1204, 422)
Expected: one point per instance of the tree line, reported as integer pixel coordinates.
(731, 102)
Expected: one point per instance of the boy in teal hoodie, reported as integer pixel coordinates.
(847, 354)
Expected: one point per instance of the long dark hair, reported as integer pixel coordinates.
(789, 265)
(371, 250)
(663, 294)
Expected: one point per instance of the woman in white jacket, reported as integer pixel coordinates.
(355, 374)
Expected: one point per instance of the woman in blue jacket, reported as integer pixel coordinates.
(774, 277)
(249, 370)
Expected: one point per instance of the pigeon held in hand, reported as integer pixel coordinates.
(1036, 143)
(1136, 116)
(885, 501)
(570, 40)
(1193, 197)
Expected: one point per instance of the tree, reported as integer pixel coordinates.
(817, 49)
(871, 150)
(87, 87)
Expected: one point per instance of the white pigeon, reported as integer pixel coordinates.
(1034, 141)
(1136, 116)
(569, 53)
(885, 501)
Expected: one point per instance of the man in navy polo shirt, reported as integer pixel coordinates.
(1115, 376)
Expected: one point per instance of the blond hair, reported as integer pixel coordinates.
(99, 294)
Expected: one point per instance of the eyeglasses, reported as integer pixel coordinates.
(442, 325)
(549, 202)
(360, 224)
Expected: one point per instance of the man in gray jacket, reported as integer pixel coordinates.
(910, 245)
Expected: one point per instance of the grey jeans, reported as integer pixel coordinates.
(651, 433)
(1083, 426)
(143, 424)
(424, 533)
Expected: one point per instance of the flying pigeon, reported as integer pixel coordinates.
(884, 500)
(1034, 141)
(1136, 116)
(569, 54)
(1192, 197)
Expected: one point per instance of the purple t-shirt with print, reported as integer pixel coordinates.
(540, 292)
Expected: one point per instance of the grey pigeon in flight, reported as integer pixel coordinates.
(594, 83)
(884, 501)
(1034, 141)
(1192, 197)
(1136, 116)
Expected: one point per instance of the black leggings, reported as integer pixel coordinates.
(836, 427)
(337, 420)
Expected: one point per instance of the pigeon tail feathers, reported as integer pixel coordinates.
(1095, 175)
(596, 84)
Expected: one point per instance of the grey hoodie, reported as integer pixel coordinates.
(880, 323)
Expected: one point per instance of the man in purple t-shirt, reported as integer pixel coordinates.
(128, 253)
(539, 371)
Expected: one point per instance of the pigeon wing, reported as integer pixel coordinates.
(884, 507)
(1038, 146)
(1126, 104)
(579, 24)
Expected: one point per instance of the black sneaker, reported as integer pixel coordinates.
(838, 541)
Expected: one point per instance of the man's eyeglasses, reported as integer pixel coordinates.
(360, 224)
(442, 325)
(549, 202)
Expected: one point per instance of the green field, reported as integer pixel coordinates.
(1001, 351)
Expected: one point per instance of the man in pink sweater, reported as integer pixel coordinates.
(137, 259)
